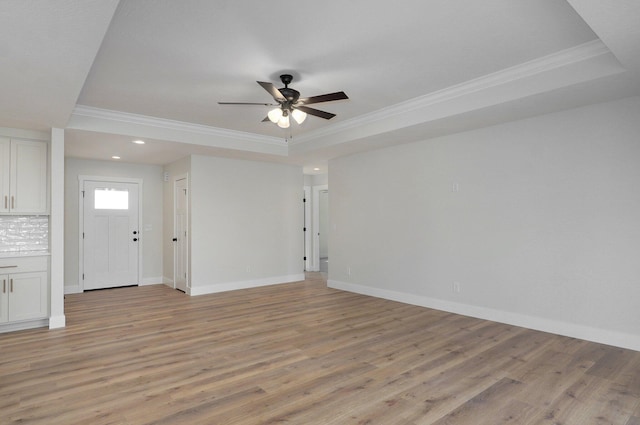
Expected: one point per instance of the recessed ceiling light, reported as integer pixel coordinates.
(115, 157)
(138, 142)
(316, 169)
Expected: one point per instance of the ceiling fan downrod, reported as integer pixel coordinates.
(290, 95)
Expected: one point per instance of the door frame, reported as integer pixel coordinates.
(185, 177)
(81, 180)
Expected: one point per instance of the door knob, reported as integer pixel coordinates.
(135, 232)
(135, 239)
(175, 239)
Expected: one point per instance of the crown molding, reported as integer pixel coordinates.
(167, 124)
(560, 69)
(554, 61)
(25, 134)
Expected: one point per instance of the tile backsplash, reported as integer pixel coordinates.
(24, 233)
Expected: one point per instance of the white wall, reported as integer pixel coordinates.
(316, 179)
(151, 214)
(538, 221)
(246, 224)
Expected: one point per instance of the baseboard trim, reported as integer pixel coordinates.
(602, 336)
(56, 322)
(232, 286)
(72, 289)
(21, 326)
(151, 281)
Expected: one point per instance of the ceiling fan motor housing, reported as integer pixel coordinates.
(291, 95)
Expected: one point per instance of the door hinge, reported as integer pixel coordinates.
(304, 199)
(82, 276)
(83, 193)
(82, 235)
(305, 258)
(304, 229)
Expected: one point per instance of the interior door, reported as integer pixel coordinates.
(320, 228)
(111, 235)
(181, 253)
(323, 231)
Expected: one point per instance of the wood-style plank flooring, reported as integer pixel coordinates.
(302, 353)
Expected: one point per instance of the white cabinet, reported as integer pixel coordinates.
(24, 289)
(23, 176)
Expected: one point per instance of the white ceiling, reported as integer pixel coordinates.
(110, 71)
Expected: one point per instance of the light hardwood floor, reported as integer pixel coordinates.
(302, 354)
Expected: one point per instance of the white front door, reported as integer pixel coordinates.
(111, 236)
(181, 253)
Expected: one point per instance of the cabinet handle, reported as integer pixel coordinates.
(7, 267)
(5, 202)
(4, 286)
(13, 202)
(11, 285)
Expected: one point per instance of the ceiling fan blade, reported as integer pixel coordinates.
(340, 95)
(273, 91)
(315, 112)
(246, 103)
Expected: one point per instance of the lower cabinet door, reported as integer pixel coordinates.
(28, 296)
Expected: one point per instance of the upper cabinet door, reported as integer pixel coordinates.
(5, 160)
(28, 177)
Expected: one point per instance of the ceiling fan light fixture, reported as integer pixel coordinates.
(299, 116)
(275, 115)
(284, 122)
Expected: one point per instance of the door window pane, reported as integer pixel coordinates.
(111, 199)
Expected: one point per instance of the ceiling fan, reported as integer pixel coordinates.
(290, 104)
